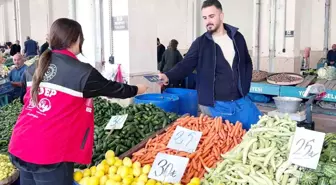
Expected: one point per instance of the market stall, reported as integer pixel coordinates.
(143, 145)
(270, 153)
(294, 85)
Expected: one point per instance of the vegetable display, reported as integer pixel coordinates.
(217, 138)
(6, 167)
(325, 174)
(261, 158)
(115, 171)
(8, 115)
(142, 121)
(327, 72)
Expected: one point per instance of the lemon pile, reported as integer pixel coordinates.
(6, 167)
(114, 171)
(194, 181)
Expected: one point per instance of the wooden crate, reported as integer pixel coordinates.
(329, 84)
(307, 81)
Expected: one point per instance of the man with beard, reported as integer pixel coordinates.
(224, 69)
(15, 76)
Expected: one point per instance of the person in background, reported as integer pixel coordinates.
(305, 61)
(224, 69)
(15, 75)
(16, 48)
(8, 48)
(331, 56)
(45, 46)
(30, 48)
(2, 59)
(160, 50)
(56, 126)
(169, 59)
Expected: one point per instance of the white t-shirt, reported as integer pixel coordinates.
(226, 44)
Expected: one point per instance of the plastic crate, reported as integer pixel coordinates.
(5, 86)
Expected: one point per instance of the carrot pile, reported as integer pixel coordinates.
(217, 138)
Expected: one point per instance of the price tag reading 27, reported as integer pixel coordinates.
(168, 168)
(306, 148)
(184, 140)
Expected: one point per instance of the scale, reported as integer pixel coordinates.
(304, 117)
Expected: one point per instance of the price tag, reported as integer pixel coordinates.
(116, 122)
(168, 168)
(153, 78)
(306, 148)
(184, 140)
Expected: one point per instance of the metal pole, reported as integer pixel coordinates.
(257, 34)
(15, 21)
(326, 27)
(285, 22)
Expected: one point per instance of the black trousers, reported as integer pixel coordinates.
(55, 174)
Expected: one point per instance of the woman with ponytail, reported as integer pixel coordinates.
(56, 125)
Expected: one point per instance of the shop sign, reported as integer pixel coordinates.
(289, 33)
(119, 23)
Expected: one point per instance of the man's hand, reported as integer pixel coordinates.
(142, 88)
(16, 84)
(164, 79)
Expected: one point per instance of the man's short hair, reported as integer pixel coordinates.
(158, 40)
(208, 3)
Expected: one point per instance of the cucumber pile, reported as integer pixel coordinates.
(8, 117)
(142, 121)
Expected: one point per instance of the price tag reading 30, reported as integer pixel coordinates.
(168, 168)
(184, 140)
(306, 148)
(116, 122)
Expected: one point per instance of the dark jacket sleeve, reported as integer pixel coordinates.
(97, 85)
(163, 62)
(329, 56)
(248, 61)
(25, 47)
(179, 57)
(12, 51)
(187, 65)
(23, 88)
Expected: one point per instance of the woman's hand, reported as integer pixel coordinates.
(142, 88)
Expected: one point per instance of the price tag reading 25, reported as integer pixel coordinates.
(168, 168)
(184, 140)
(306, 148)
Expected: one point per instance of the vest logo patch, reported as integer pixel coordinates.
(51, 73)
(44, 105)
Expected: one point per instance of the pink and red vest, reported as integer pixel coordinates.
(60, 127)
